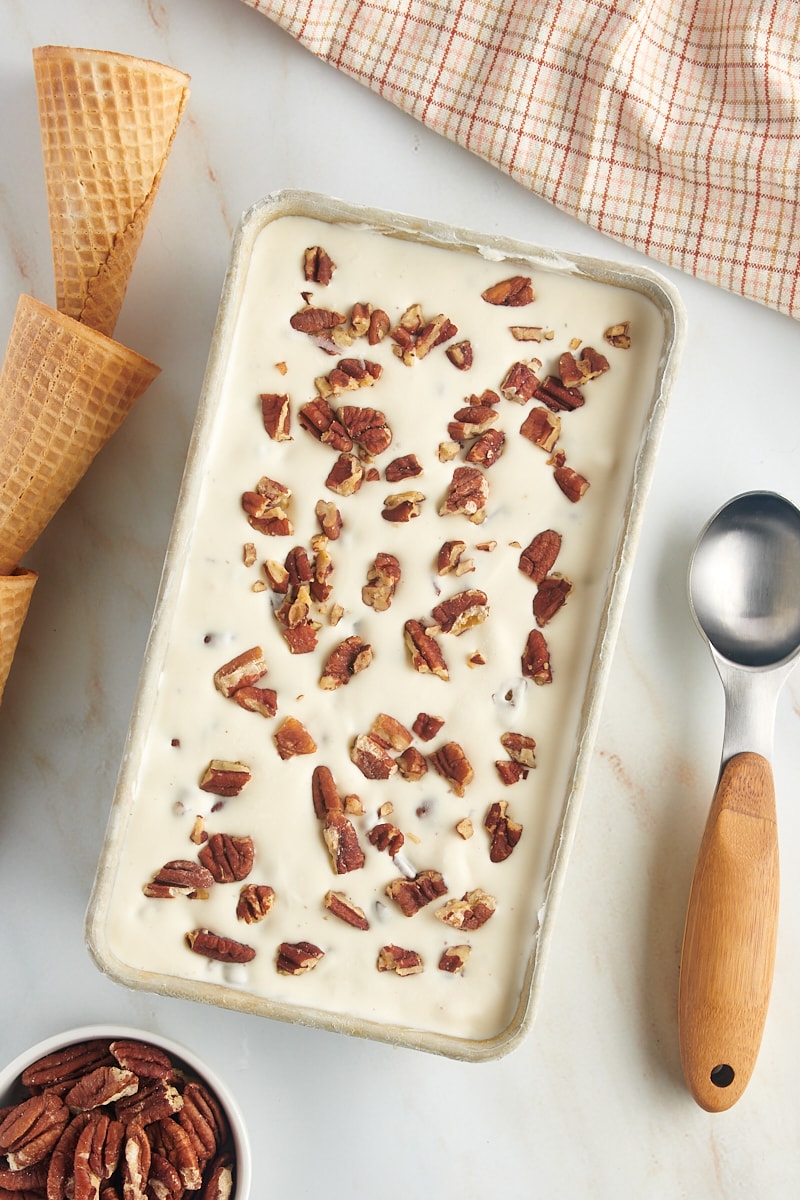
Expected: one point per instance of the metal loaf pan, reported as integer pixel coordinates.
(180, 721)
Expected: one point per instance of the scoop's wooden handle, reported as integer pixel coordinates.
(729, 940)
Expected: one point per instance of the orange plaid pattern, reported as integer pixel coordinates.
(672, 126)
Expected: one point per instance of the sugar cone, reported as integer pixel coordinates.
(107, 123)
(64, 390)
(15, 596)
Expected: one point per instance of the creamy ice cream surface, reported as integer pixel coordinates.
(264, 570)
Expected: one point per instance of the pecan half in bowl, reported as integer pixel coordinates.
(111, 1110)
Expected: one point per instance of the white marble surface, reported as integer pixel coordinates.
(592, 1104)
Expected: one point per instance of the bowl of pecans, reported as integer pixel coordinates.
(106, 1111)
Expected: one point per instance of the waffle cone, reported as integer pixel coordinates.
(15, 596)
(107, 124)
(64, 390)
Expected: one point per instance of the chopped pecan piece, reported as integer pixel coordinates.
(382, 580)
(439, 329)
(405, 467)
(255, 902)
(344, 662)
(542, 427)
(348, 375)
(257, 699)
(401, 961)
(454, 959)
(324, 794)
(551, 595)
(391, 731)
(180, 877)
(220, 948)
(266, 507)
(412, 764)
(527, 333)
(297, 958)
(415, 337)
(342, 841)
(557, 397)
(520, 748)
(341, 906)
(411, 895)
(412, 319)
(276, 416)
(346, 475)
(472, 911)
(426, 654)
(460, 612)
(223, 778)
(449, 557)
(359, 318)
(315, 320)
(402, 506)
(318, 418)
(471, 421)
(487, 449)
(536, 658)
(249, 553)
(386, 836)
(320, 588)
(277, 576)
(569, 371)
(293, 738)
(504, 832)
(29, 1130)
(426, 726)
(574, 372)
(318, 266)
(228, 857)
(330, 519)
(301, 638)
(464, 828)
(367, 427)
(246, 668)
(510, 772)
(573, 485)
(468, 494)
(298, 568)
(460, 355)
(512, 293)
(619, 335)
(539, 556)
(371, 755)
(379, 325)
(521, 381)
(453, 765)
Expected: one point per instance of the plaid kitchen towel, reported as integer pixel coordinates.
(672, 126)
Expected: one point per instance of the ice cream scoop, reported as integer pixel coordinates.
(744, 592)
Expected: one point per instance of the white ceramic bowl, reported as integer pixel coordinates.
(11, 1089)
